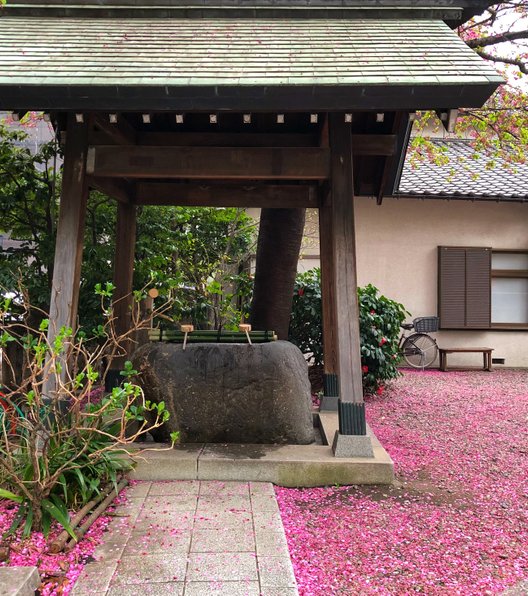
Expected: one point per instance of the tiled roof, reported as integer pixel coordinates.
(235, 52)
(465, 175)
(183, 56)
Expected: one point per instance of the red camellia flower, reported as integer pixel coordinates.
(372, 312)
(379, 391)
(301, 292)
(364, 369)
(383, 341)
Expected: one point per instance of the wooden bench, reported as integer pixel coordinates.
(486, 353)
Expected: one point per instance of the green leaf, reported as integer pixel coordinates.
(64, 484)
(29, 522)
(128, 370)
(17, 520)
(60, 515)
(46, 522)
(82, 483)
(6, 494)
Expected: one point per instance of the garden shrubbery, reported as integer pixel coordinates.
(62, 439)
(379, 319)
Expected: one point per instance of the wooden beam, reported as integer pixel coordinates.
(227, 195)
(362, 144)
(345, 278)
(251, 163)
(120, 190)
(120, 132)
(384, 145)
(403, 133)
(124, 272)
(214, 139)
(392, 163)
(227, 139)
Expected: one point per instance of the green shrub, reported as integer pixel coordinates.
(61, 438)
(379, 328)
(306, 323)
(379, 320)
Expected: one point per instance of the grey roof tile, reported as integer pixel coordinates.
(464, 174)
(98, 51)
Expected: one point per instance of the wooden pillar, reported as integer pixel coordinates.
(124, 273)
(70, 235)
(351, 405)
(70, 230)
(124, 265)
(330, 380)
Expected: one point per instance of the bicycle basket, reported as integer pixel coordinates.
(426, 324)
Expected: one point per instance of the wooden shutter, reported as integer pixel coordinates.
(464, 287)
(452, 287)
(478, 288)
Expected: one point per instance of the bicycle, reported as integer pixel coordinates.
(419, 349)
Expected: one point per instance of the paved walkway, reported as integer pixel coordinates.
(193, 538)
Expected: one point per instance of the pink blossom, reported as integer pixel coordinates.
(455, 523)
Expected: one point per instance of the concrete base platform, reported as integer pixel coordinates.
(284, 465)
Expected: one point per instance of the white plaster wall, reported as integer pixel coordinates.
(397, 252)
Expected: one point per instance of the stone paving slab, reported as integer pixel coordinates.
(193, 538)
(18, 581)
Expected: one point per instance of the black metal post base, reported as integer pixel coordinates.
(352, 418)
(330, 397)
(331, 385)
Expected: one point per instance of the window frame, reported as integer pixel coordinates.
(504, 273)
(509, 274)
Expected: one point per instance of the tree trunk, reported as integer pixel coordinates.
(13, 366)
(279, 244)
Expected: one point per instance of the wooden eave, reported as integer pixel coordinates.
(346, 11)
(237, 64)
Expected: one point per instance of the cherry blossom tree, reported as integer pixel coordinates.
(500, 128)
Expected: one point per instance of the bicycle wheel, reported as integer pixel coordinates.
(419, 350)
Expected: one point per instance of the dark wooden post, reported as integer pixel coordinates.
(123, 278)
(351, 439)
(330, 381)
(70, 235)
(124, 265)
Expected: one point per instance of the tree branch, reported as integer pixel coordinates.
(523, 66)
(492, 40)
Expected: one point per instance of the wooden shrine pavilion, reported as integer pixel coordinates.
(262, 103)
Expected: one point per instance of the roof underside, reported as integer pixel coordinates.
(171, 64)
(464, 175)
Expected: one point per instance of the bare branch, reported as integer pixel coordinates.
(493, 40)
(521, 64)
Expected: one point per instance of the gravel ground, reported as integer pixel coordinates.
(456, 522)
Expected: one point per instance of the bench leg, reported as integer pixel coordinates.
(443, 361)
(487, 361)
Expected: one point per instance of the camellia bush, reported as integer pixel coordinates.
(306, 322)
(379, 320)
